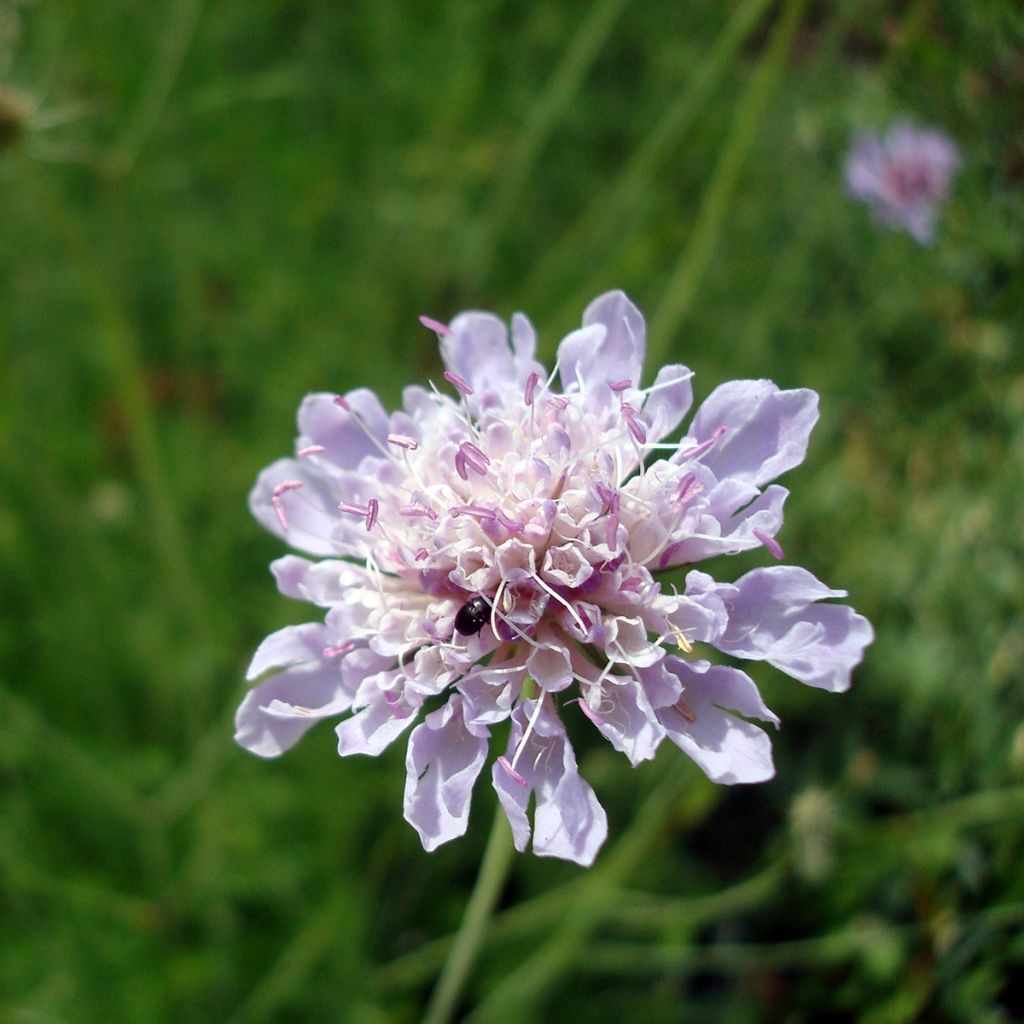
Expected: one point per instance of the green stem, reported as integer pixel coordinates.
(489, 883)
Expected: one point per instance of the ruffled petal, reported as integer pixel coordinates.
(277, 713)
(766, 430)
(292, 645)
(625, 718)
(568, 820)
(443, 759)
(728, 749)
(372, 730)
(347, 435)
(774, 617)
(669, 401)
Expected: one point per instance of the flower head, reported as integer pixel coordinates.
(494, 553)
(904, 176)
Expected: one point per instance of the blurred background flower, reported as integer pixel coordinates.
(213, 209)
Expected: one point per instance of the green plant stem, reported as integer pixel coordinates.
(685, 279)
(517, 995)
(469, 938)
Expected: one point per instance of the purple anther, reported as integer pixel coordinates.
(435, 325)
(460, 464)
(313, 449)
(421, 555)
(334, 652)
(668, 554)
(476, 511)
(352, 509)
(278, 505)
(343, 402)
(414, 511)
(372, 511)
(694, 453)
(590, 712)
(472, 458)
(471, 449)
(621, 385)
(531, 385)
(773, 546)
(689, 488)
(512, 525)
(636, 428)
(510, 771)
(457, 382)
(559, 401)
(403, 441)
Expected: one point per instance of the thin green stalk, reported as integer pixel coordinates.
(517, 996)
(163, 73)
(489, 883)
(688, 274)
(550, 105)
(611, 213)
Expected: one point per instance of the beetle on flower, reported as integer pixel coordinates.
(542, 509)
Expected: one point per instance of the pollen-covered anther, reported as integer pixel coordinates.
(770, 543)
(277, 504)
(475, 511)
(436, 326)
(531, 385)
(681, 642)
(636, 428)
(459, 383)
(403, 441)
(700, 449)
(685, 710)
(418, 511)
(506, 766)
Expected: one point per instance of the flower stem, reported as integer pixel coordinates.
(489, 882)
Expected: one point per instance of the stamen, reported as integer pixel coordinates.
(770, 543)
(457, 382)
(700, 449)
(529, 729)
(531, 384)
(681, 642)
(421, 555)
(352, 509)
(334, 652)
(688, 489)
(435, 325)
(313, 449)
(372, 513)
(275, 500)
(589, 712)
(636, 428)
(476, 511)
(559, 401)
(510, 771)
(418, 510)
(403, 441)
(473, 451)
(510, 524)
(461, 465)
(685, 710)
(621, 385)
(343, 402)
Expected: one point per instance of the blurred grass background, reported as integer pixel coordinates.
(210, 208)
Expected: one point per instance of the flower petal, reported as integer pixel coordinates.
(292, 645)
(669, 401)
(442, 762)
(275, 715)
(625, 718)
(773, 616)
(766, 430)
(568, 821)
(728, 749)
(347, 435)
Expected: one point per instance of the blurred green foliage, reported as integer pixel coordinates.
(210, 209)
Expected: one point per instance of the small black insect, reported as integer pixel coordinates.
(472, 616)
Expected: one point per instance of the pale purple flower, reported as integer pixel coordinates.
(493, 553)
(904, 176)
